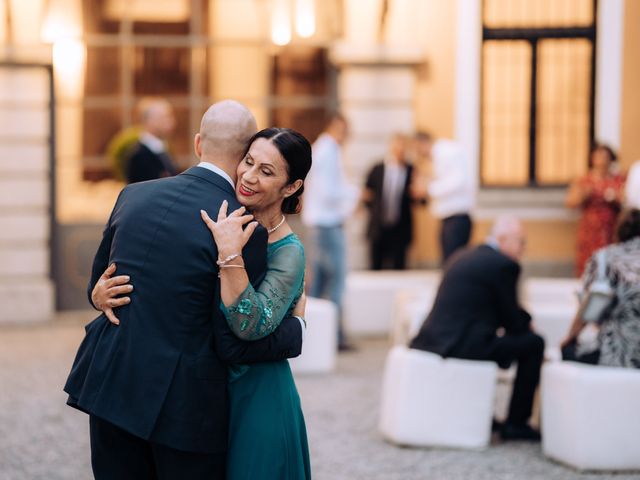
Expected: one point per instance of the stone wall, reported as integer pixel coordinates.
(26, 290)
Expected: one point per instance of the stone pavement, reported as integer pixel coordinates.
(41, 438)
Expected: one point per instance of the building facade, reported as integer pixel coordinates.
(523, 86)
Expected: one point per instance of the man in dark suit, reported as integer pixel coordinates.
(148, 159)
(155, 386)
(478, 298)
(388, 194)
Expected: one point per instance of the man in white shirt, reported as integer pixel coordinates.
(149, 158)
(632, 189)
(329, 200)
(451, 190)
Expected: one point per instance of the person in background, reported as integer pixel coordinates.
(632, 190)
(148, 158)
(599, 195)
(617, 343)
(329, 201)
(476, 316)
(450, 190)
(388, 194)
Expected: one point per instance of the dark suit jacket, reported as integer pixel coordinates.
(374, 183)
(162, 374)
(142, 164)
(477, 295)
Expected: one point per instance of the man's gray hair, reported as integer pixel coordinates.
(504, 225)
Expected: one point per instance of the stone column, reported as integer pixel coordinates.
(26, 290)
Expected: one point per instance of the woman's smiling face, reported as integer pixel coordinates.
(262, 176)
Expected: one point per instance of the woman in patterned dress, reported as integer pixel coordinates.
(599, 195)
(618, 332)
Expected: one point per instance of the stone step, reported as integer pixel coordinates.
(26, 301)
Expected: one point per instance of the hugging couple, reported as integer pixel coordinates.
(184, 374)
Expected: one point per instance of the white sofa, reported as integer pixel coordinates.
(431, 401)
(370, 295)
(320, 342)
(590, 417)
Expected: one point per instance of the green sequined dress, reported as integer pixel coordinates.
(267, 433)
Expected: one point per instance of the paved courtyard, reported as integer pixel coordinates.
(41, 438)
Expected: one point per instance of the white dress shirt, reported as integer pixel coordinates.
(393, 182)
(632, 189)
(153, 143)
(452, 189)
(328, 198)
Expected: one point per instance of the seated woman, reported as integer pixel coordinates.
(617, 340)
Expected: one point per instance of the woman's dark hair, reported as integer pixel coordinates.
(629, 225)
(296, 151)
(601, 146)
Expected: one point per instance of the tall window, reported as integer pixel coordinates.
(195, 52)
(537, 90)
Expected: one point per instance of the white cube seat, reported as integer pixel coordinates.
(431, 401)
(369, 297)
(590, 417)
(552, 303)
(410, 310)
(321, 338)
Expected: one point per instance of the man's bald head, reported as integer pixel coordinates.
(157, 116)
(225, 130)
(508, 233)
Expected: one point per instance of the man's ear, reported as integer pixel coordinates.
(197, 145)
(292, 188)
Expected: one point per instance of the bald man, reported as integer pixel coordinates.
(155, 386)
(148, 158)
(476, 316)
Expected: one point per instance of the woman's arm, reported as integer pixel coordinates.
(253, 313)
(230, 238)
(577, 194)
(578, 323)
(257, 312)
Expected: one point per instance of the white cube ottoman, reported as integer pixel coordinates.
(590, 417)
(369, 297)
(431, 401)
(410, 310)
(320, 341)
(552, 303)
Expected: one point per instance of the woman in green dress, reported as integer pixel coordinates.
(267, 434)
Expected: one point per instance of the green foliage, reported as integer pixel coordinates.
(119, 147)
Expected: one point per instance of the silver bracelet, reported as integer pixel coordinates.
(220, 263)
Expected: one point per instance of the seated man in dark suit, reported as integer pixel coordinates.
(148, 159)
(476, 301)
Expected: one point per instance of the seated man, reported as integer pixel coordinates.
(476, 300)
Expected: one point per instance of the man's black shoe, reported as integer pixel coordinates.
(346, 347)
(510, 431)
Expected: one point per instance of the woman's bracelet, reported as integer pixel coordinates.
(228, 266)
(221, 263)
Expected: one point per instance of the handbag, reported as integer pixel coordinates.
(599, 295)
